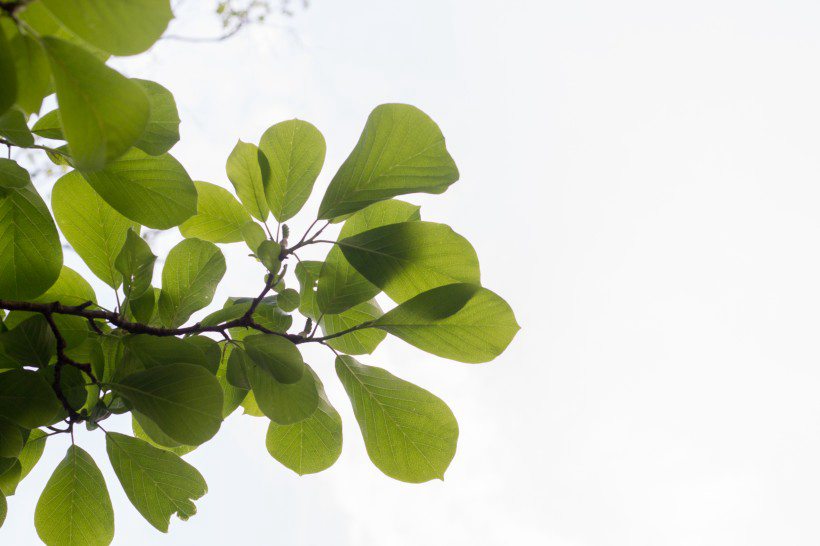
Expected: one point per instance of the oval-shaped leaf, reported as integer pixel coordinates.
(162, 129)
(190, 276)
(26, 399)
(412, 257)
(401, 151)
(33, 72)
(358, 342)
(102, 112)
(158, 483)
(135, 262)
(461, 322)
(276, 356)
(184, 400)
(30, 252)
(74, 508)
(93, 228)
(410, 434)
(284, 403)
(14, 128)
(310, 445)
(121, 27)
(246, 168)
(340, 286)
(154, 191)
(219, 216)
(295, 151)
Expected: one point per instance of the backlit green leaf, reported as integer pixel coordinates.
(148, 431)
(162, 130)
(48, 126)
(184, 400)
(219, 216)
(26, 399)
(245, 171)
(280, 402)
(295, 151)
(135, 262)
(154, 191)
(11, 439)
(310, 445)
(74, 508)
(190, 276)
(33, 72)
(359, 342)
(462, 322)
(31, 342)
(276, 356)
(14, 129)
(8, 74)
(93, 228)
(410, 434)
(401, 151)
(157, 482)
(102, 112)
(151, 351)
(121, 27)
(412, 257)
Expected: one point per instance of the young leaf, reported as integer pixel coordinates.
(30, 252)
(102, 112)
(157, 482)
(409, 433)
(184, 400)
(358, 342)
(74, 508)
(162, 130)
(462, 322)
(245, 171)
(411, 257)
(93, 228)
(219, 216)
(284, 403)
(295, 151)
(340, 286)
(26, 399)
(121, 27)
(275, 356)
(401, 151)
(310, 445)
(8, 75)
(190, 276)
(135, 262)
(154, 191)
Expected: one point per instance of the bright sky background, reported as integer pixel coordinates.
(641, 180)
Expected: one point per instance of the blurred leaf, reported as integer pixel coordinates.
(8, 75)
(13, 127)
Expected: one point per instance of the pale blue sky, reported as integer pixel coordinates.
(640, 180)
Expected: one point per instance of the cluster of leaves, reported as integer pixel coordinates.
(65, 360)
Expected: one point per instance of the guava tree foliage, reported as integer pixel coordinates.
(66, 360)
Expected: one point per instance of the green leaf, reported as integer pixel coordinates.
(232, 396)
(30, 252)
(107, 359)
(190, 276)
(102, 112)
(410, 434)
(358, 342)
(184, 400)
(461, 322)
(30, 343)
(4, 508)
(276, 356)
(340, 286)
(162, 130)
(412, 257)
(154, 191)
(210, 349)
(401, 151)
(10, 479)
(219, 216)
(8, 74)
(151, 351)
(32, 451)
(158, 483)
(69, 289)
(284, 403)
(237, 369)
(74, 508)
(33, 72)
(39, 18)
(268, 253)
(249, 406)
(12, 175)
(13, 127)
(135, 262)
(26, 399)
(245, 171)
(11, 439)
(143, 307)
(121, 27)
(288, 300)
(310, 445)
(48, 126)
(148, 431)
(295, 151)
(253, 235)
(307, 272)
(93, 228)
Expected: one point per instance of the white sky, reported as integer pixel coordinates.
(640, 179)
